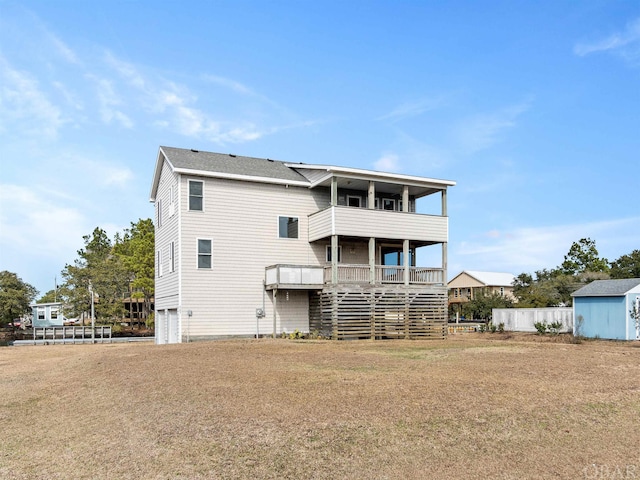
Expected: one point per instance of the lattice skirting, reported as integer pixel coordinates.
(379, 312)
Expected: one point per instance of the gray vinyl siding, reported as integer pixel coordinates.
(166, 287)
(241, 219)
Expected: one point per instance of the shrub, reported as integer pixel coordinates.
(554, 328)
(501, 327)
(492, 327)
(541, 327)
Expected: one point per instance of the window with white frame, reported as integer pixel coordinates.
(287, 227)
(41, 313)
(54, 313)
(159, 212)
(502, 291)
(328, 253)
(196, 195)
(172, 257)
(204, 253)
(388, 204)
(354, 201)
(159, 261)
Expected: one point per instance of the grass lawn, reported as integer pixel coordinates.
(472, 406)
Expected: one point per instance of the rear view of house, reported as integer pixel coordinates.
(605, 309)
(248, 246)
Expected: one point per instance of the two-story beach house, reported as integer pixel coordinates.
(248, 246)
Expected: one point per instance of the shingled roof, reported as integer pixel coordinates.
(222, 163)
(607, 288)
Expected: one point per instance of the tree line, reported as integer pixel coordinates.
(553, 287)
(110, 270)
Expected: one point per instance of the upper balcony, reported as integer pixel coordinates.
(365, 223)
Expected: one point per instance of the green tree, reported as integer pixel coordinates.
(549, 288)
(583, 257)
(136, 251)
(483, 303)
(627, 266)
(50, 297)
(100, 270)
(15, 297)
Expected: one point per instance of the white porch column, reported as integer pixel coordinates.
(334, 259)
(444, 244)
(371, 199)
(405, 198)
(372, 260)
(405, 262)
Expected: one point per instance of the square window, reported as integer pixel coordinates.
(388, 204)
(204, 253)
(196, 195)
(354, 201)
(288, 227)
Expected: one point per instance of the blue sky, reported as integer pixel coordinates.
(533, 108)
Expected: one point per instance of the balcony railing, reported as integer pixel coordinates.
(386, 274)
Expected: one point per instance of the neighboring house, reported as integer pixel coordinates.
(47, 314)
(467, 284)
(247, 245)
(603, 309)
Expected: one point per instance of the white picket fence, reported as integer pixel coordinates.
(523, 319)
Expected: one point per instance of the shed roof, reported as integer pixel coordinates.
(608, 288)
(490, 279)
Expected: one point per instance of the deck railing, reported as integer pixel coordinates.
(386, 274)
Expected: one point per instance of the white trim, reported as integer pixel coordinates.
(278, 227)
(391, 200)
(198, 267)
(362, 174)
(189, 180)
(172, 257)
(244, 178)
(359, 197)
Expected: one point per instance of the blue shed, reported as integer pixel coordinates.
(605, 307)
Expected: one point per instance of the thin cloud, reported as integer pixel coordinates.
(413, 109)
(534, 248)
(482, 131)
(25, 211)
(22, 102)
(108, 100)
(625, 43)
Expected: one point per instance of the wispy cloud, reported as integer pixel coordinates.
(109, 100)
(412, 109)
(22, 102)
(482, 131)
(31, 222)
(533, 248)
(626, 43)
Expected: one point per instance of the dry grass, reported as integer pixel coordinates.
(471, 406)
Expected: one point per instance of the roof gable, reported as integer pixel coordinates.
(487, 279)
(608, 288)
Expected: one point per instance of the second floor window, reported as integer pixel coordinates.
(288, 227)
(196, 195)
(204, 253)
